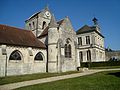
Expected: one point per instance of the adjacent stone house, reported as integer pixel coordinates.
(90, 43)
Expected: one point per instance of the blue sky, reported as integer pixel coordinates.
(80, 12)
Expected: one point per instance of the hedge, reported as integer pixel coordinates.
(100, 64)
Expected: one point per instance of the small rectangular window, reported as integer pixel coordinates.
(79, 40)
(88, 55)
(87, 39)
(81, 56)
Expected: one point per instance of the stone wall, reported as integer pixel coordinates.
(96, 47)
(26, 65)
(112, 55)
(68, 33)
(57, 38)
(35, 24)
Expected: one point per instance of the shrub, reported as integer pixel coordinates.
(100, 64)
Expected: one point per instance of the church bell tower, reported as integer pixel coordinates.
(38, 21)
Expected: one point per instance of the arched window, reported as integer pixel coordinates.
(39, 56)
(44, 25)
(15, 55)
(67, 50)
(30, 27)
(88, 55)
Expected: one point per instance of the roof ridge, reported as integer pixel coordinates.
(53, 22)
(13, 27)
(60, 21)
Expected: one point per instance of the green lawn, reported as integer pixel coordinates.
(99, 81)
(19, 78)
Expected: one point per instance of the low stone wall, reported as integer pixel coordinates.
(112, 55)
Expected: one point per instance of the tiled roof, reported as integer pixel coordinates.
(15, 36)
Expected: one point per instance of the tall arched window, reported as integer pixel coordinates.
(39, 56)
(15, 55)
(88, 55)
(44, 25)
(67, 49)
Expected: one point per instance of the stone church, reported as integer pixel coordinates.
(47, 45)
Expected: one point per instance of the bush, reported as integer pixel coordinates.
(100, 64)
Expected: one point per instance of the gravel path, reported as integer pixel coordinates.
(50, 79)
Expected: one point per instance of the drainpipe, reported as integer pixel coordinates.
(47, 61)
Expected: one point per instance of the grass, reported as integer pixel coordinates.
(19, 78)
(99, 81)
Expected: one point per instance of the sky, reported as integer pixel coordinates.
(80, 12)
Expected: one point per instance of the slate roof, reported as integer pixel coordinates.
(60, 22)
(87, 29)
(36, 14)
(45, 32)
(20, 37)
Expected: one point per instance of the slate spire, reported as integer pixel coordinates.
(46, 8)
(53, 23)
